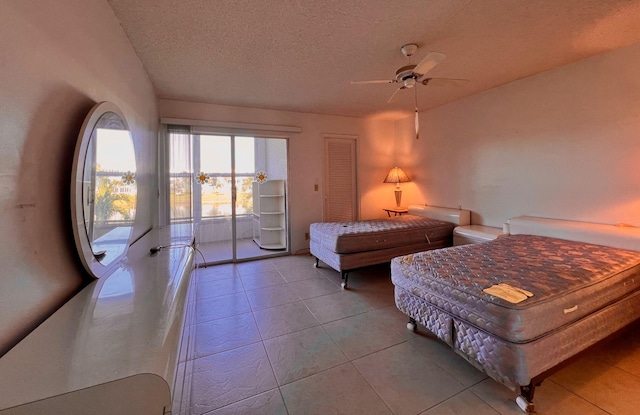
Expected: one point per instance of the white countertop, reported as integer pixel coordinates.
(479, 231)
(119, 326)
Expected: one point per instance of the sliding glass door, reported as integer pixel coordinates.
(225, 203)
(213, 196)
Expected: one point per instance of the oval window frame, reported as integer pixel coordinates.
(97, 262)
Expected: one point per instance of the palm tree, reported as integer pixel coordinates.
(109, 203)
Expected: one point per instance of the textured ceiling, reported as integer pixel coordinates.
(300, 55)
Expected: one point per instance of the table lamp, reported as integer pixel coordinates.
(397, 176)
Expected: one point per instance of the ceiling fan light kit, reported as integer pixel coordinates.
(409, 75)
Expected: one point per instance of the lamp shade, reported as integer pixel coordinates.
(396, 175)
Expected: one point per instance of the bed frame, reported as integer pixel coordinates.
(534, 360)
(345, 262)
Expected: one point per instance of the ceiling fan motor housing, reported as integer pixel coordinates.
(405, 72)
(406, 76)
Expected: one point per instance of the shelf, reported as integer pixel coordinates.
(269, 212)
(272, 246)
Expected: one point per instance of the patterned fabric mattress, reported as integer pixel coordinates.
(376, 234)
(581, 294)
(569, 280)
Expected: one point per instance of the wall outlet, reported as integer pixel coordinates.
(306, 236)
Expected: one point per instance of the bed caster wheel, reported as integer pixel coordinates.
(343, 285)
(315, 265)
(411, 325)
(525, 405)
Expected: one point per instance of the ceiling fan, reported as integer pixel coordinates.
(410, 75)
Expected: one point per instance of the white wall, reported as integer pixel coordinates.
(562, 144)
(271, 157)
(305, 153)
(57, 59)
(376, 156)
(276, 159)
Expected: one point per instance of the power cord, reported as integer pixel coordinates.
(156, 249)
(159, 248)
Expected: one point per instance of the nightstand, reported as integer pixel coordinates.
(471, 234)
(399, 210)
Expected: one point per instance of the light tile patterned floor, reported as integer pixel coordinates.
(278, 336)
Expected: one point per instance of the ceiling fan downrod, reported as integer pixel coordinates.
(417, 119)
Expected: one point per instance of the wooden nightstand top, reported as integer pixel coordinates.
(396, 210)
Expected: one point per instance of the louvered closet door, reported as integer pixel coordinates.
(339, 179)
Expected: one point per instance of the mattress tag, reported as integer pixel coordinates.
(505, 293)
(511, 287)
(407, 259)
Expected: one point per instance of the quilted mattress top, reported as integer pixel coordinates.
(368, 235)
(568, 280)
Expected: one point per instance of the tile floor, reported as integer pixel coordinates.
(246, 249)
(278, 336)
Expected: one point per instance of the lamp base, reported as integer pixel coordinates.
(398, 197)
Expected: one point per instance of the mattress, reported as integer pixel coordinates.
(376, 234)
(366, 258)
(569, 280)
(516, 364)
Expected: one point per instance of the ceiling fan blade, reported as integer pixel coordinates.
(394, 94)
(444, 81)
(376, 81)
(429, 62)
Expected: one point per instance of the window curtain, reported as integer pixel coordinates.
(181, 173)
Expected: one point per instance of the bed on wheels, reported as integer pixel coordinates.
(346, 246)
(519, 306)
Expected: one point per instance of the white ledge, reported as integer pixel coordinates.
(114, 346)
